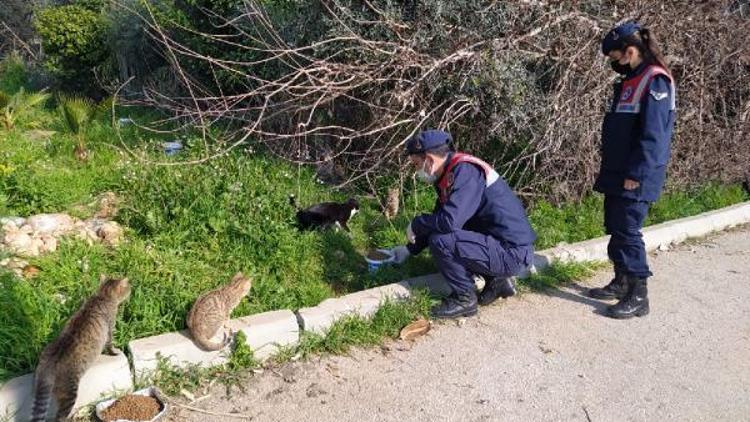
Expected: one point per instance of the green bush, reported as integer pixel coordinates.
(74, 39)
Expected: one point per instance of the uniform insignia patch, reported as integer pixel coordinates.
(658, 96)
(626, 93)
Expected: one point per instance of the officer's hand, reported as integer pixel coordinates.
(410, 236)
(631, 184)
(400, 253)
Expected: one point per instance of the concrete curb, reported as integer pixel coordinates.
(318, 319)
(108, 375)
(655, 236)
(267, 332)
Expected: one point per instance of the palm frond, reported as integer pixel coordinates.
(76, 113)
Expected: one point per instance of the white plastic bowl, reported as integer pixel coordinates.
(373, 264)
(150, 391)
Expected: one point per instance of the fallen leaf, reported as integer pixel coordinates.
(30, 271)
(416, 329)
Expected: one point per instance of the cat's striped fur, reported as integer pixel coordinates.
(211, 311)
(64, 361)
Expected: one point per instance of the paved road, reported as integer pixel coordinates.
(544, 357)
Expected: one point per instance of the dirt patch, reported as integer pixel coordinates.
(132, 407)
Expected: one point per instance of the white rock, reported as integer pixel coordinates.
(22, 244)
(51, 223)
(110, 233)
(16, 221)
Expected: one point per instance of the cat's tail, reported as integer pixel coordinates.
(210, 346)
(44, 382)
(293, 202)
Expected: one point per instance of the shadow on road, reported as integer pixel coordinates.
(577, 293)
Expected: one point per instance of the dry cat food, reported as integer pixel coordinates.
(132, 407)
(378, 255)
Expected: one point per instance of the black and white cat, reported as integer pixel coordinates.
(325, 214)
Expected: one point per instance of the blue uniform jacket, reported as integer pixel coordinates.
(636, 139)
(493, 210)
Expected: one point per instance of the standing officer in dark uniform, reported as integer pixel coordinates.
(635, 151)
(478, 227)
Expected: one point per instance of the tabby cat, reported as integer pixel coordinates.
(391, 203)
(64, 361)
(211, 312)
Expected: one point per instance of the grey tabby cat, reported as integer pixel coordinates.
(211, 311)
(64, 361)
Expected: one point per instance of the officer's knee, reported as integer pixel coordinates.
(442, 243)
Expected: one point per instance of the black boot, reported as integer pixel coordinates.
(456, 305)
(635, 303)
(503, 287)
(616, 289)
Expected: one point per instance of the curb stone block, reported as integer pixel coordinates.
(365, 303)
(435, 283)
(265, 333)
(108, 375)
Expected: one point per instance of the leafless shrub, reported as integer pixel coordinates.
(521, 83)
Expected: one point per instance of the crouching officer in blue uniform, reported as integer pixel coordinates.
(635, 151)
(478, 227)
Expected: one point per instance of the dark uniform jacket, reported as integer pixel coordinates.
(636, 134)
(478, 200)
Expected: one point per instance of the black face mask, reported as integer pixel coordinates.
(622, 69)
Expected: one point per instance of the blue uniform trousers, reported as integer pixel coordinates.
(623, 220)
(461, 253)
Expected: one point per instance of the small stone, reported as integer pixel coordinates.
(663, 247)
(110, 233)
(49, 244)
(60, 298)
(188, 395)
(314, 390)
(22, 244)
(11, 223)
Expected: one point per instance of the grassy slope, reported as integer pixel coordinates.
(191, 227)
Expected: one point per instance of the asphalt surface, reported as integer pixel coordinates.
(540, 357)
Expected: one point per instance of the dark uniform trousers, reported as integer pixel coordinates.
(461, 253)
(623, 219)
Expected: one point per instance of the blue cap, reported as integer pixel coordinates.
(614, 38)
(427, 140)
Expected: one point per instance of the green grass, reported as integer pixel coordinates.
(354, 331)
(190, 228)
(571, 223)
(172, 379)
(558, 273)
